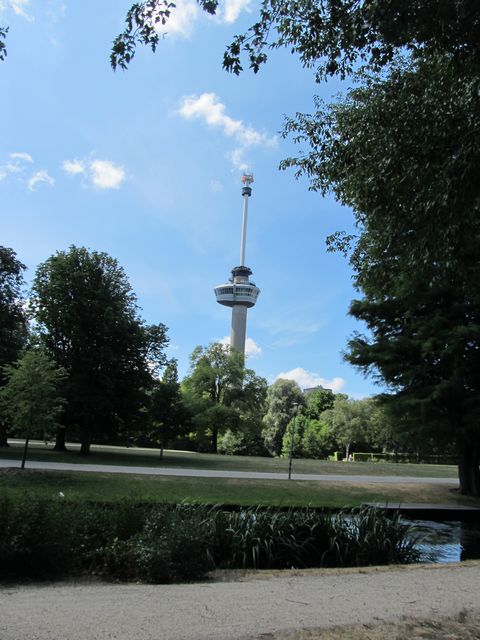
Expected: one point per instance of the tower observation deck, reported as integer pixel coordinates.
(240, 293)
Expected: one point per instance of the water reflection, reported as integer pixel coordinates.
(450, 541)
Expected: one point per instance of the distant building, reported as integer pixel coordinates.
(309, 390)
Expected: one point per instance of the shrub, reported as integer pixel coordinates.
(34, 541)
(174, 545)
(163, 543)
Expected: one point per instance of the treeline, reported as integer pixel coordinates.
(79, 362)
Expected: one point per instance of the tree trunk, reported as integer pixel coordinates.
(214, 439)
(25, 449)
(469, 466)
(60, 440)
(347, 451)
(85, 445)
(3, 436)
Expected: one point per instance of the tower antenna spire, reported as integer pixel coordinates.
(247, 180)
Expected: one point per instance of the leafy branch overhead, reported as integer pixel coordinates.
(332, 35)
(3, 49)
(143, 26)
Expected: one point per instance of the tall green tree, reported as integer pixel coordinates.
(13, 325)
(167, 413)
(349, 421)
(87, 319)
(31, 399)
(318, 401)
(220, 390)
(284, 397)
(403, 151)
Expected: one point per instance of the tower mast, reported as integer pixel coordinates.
(240, 293)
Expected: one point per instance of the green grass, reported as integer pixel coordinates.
(177, 459)
(83, 486)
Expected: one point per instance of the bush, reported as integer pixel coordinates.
(174, 545)
(34, 541)
(163, 543)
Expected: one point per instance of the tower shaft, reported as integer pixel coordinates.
(238, 332)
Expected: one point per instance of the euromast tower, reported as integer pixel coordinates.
(240, 293)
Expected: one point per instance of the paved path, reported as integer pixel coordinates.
(209, 473)
(241, 610)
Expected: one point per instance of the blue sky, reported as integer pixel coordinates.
(146, 165)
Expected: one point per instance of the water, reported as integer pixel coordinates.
(442, 541)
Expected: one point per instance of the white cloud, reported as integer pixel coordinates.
(73, 167)
(20, 8)
(38, 178)
(103, 174)
(182, 19)
(20, 155)
(233, 9)
(307, 379)
(208, 108)
(252, 350)
(107, 175)
(16, 163)
(187, 13)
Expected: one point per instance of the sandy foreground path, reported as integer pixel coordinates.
(252, 606)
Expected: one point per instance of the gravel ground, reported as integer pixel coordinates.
(253, 605)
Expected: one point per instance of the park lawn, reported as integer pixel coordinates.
(85, 486)
(132, 456)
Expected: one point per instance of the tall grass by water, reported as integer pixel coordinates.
(129, 540)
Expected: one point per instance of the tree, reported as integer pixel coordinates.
(348, 421)
(403, 150)
(296, 429)
(335, 36)
(30, 399)
(167, 413)
(318, 439)
(220, 390)
(284, 397)
(318, 401)
(87, 319)
(13, 326)
(250, 406)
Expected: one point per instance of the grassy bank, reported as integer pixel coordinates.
(189, 460)
(83, 486)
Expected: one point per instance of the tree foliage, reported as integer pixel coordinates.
(13, 325)
(167, 413)
(317, 401)
(3, 48)
(30, 399)
(284, 397)
(334, 36)
(87, 318)
(221, 392)
(403, 150)
(12, 316)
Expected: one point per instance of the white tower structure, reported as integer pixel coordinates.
(240, 293)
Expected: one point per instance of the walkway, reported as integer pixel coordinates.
(254, 607)
(208, 473)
